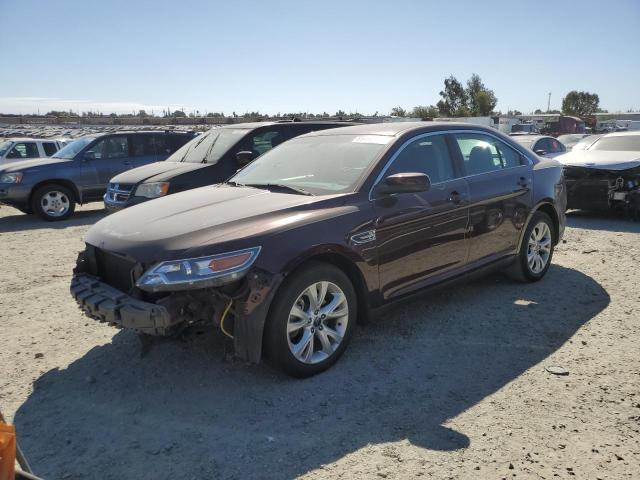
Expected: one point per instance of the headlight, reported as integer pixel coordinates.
(11, 177)
(198, 272)
(152, 190)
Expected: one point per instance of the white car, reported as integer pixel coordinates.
(543, 145)
(17, 149)
(606, 174)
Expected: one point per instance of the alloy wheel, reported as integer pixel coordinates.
(55, 203)
(539, 248)
(317, 322)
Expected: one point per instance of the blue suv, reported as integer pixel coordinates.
(80, 172)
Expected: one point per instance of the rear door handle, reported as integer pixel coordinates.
(523, 182)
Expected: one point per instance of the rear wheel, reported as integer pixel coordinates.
(53, 202)
(311, 321)
(536, 250)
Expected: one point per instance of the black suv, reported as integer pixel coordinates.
(80, 172)
(206, 160)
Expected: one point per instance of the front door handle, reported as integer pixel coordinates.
(457, 198)
(523, 182)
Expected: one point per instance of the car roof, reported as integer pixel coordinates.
(250, 125)
(631, 133)
(393, 129)
(27, 139)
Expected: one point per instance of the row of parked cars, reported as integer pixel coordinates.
(284, 235)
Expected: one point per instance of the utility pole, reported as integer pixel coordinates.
(549, 102)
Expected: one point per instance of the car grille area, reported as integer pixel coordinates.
(113, 269)
(119, 192)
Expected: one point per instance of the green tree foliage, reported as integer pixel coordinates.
(474, 100)
(482, 101)
(454, 99)
(398, 112)
(425, 112)
(580, 104)
(178, 113)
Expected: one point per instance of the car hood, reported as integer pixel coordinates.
(201, 221)
(30, 164)
(600, 159)
(157, 172)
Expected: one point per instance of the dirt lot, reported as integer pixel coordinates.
(452, 385)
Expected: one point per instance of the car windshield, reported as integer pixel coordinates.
(320, 165)
(73, 148)
(4, 147)
(209, 147)
(622, 143)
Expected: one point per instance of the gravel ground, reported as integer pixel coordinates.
(451, 385)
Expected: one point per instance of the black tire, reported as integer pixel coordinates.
(520, 270)
(62, 193)
(276, 340)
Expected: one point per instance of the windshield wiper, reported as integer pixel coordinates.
(193, 147)
(279, 186)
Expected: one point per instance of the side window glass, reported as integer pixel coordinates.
(142, 145)
(542, 144)
(265, 141)
(49, 148)
(483, 153)
(24, 150)
(556, 146)
(429, 155)
(111, 148)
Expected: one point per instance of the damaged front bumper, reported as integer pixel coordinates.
(107, 304)
(171, 313)
(590, 188)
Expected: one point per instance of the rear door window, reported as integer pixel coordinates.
(142, 145)
(483, 153)
(49, 148)
(112, 148)
(24, 150)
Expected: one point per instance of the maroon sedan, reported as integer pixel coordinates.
(318, 233)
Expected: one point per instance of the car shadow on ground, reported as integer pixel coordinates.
(186, 411)
(610, 221)
(22, 222)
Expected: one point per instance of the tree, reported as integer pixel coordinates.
(142, 113)
(537, 112)
(398, 112)
(178, 113)
(580, 104)
(454, 99)
(482, 101)
(425, 112)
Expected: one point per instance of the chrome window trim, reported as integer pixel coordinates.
(445, 132)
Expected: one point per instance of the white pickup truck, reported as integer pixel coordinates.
(17, 149)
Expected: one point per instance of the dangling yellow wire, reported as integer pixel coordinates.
(224, 315)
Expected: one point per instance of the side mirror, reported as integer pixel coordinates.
(89, 155)
(244, 158)
(404, 183)
(540, 152)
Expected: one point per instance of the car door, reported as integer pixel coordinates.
(102, 161)
(500, 182)
(421, 236)
(554, 148)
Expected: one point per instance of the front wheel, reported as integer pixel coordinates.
(536, 250)
(53, 202)
(311, 321)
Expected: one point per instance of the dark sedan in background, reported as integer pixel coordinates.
(80, 172)
(321, 231)
(208, 159)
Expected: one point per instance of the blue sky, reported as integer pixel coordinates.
(282, 56)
